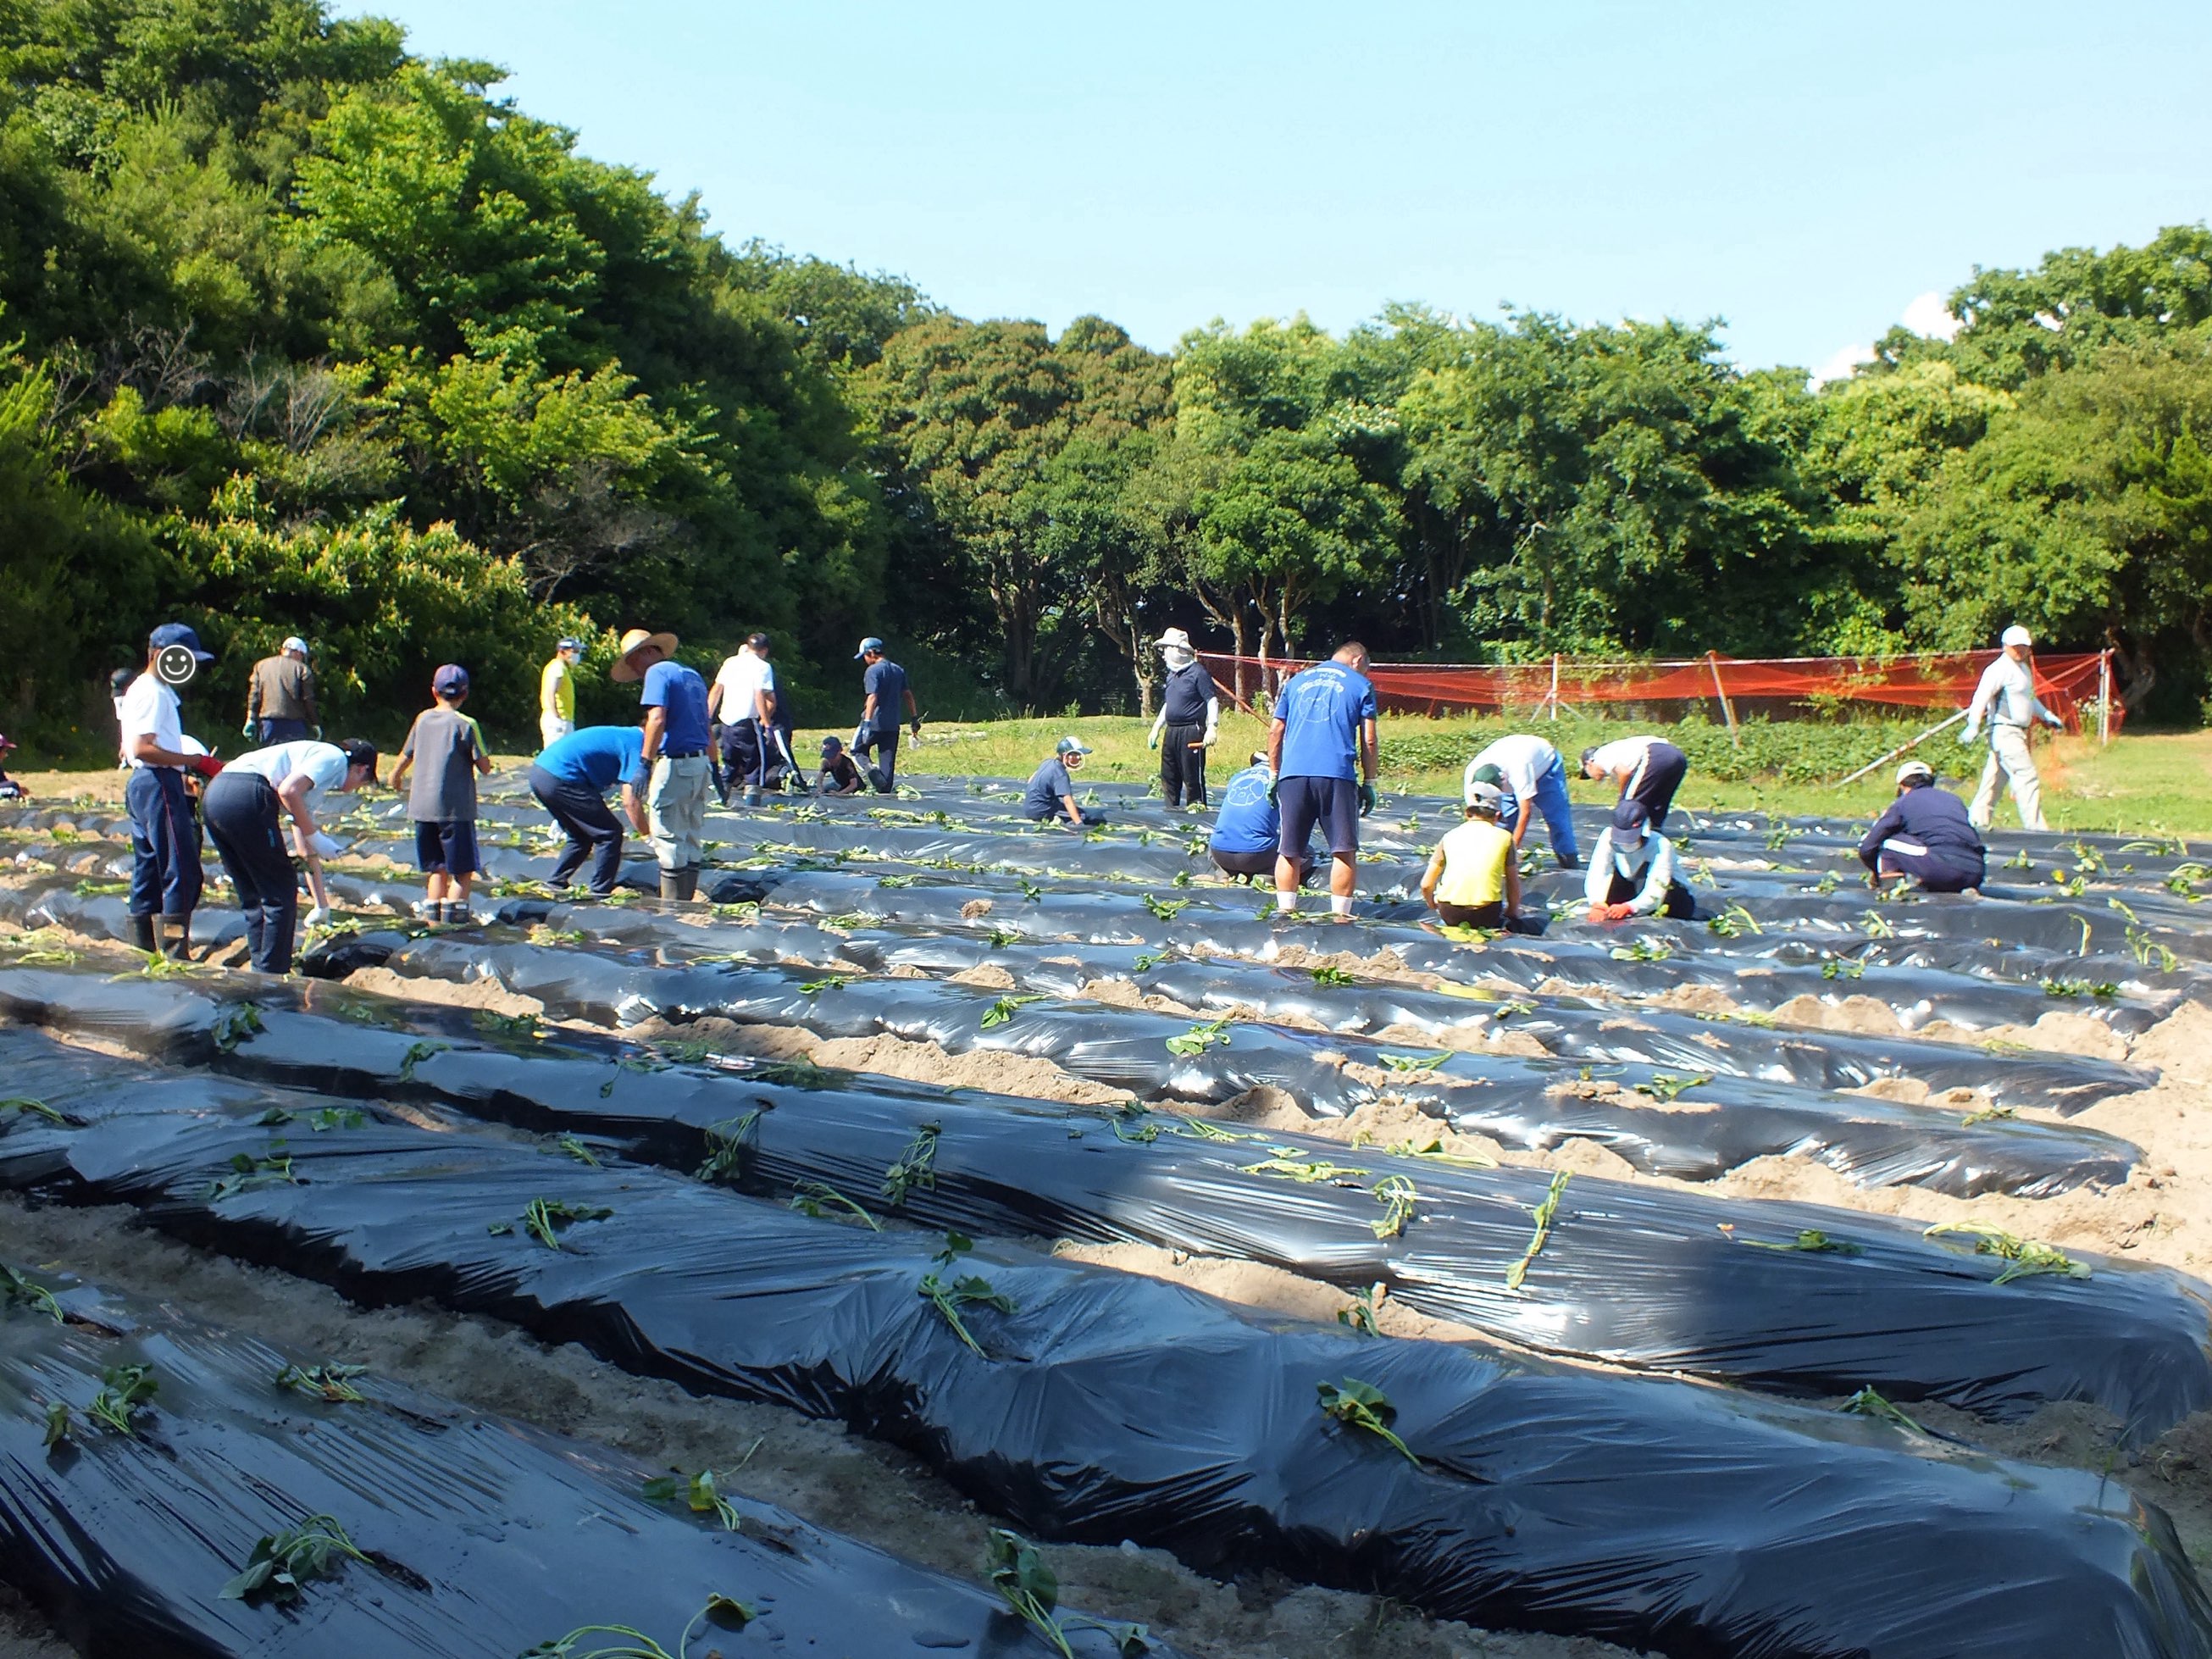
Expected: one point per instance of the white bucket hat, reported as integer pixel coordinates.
(1175, 639)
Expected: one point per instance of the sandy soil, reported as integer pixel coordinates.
(856, 1486)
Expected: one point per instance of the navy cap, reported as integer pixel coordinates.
(1632, 814)
(872, 643)
(568, 645)
(169, 634)
(449, 680)
(832, 746)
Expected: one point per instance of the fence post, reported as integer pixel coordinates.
(2104, 695)
(1555, 698)
(1728, 713)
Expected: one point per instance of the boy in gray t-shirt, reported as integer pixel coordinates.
(445, 750)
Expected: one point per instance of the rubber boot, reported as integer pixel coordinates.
(177, 936)
(142, 933)
(672, 883)
(687, 882)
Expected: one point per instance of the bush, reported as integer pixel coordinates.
(1791, 751)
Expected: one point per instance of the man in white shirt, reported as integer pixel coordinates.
(165, 836)
(242, 808)
(742, 701)
(2006, 699)
(1648, 769)
(1528, 772)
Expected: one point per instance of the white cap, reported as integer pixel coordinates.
(1176, 637)
(1914, 768)
(295, 643)
(2017, 636)
(1485, 794)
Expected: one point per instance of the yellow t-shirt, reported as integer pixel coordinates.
(556, 690)
(1476, 855)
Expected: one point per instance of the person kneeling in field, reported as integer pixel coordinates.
(1051, 793)
(840, 774)
(1925, 835)
(1246, 830)
(1473, 879)
(1632, 870)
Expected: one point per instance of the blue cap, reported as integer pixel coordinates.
(832, 746)
(568, 645)
(169, 634)
(1632, 815)
(1071, 745)
(449, 681)
(872, 643)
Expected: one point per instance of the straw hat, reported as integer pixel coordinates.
(624, 671)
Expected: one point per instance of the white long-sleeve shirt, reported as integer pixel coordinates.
(1650, 866)
(2006, 697)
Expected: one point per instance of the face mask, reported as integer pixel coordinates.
(1176, 657)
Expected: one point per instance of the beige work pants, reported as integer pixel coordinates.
(2009, 759)
(676, 805)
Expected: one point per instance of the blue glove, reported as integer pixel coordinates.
(1366, 799)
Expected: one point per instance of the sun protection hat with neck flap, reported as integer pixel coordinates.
(1915, 772)
(625, 671)
(2016, 636)
(1174, 640)
(1483, 796)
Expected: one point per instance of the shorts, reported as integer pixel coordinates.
(1330, 803)
(446, 847)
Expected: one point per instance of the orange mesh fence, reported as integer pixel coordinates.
(2067, 682)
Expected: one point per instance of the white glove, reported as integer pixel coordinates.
(2054, 722)
(1966, 736)
(323, 845)
(318, 914)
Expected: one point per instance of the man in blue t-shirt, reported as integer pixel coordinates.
(884, 694)
(1322, 750)
(676, 733)
(1051, 793)
(571, 778)
(1247, 829)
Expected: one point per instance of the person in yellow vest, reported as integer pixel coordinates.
(1472, 878)
(557, 693)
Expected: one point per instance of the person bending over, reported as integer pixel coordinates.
(1925, 835)
(1248, 828)
(1473, 877)
(1535, 779)
(1051, 793)
(1647, 769)
(1631, 872)
(242, 806)
(570, 779)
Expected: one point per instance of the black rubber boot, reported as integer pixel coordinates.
(672, 884)
(142, 933)
(177, 936)
(687, 882)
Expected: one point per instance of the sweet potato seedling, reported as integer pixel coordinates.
(1359, 1315)
(24, 1106)
(1810, 1240)
(123, 1390)
(1208, 1034)
(726, 1143)
(250, 1174)
(236, 1024)
(416, 1055)
(700, 1493)
(544, 1218)
(1305, 1171)
(1332, 978)
(332, 1383)
(915, 1167)
(1658, 948)
(818, 1198)
(1165, 909)
(1363, 1406)
(575, 1148)
(2024, 1258)
(1986, 1115)
(815, 988)
(17, 1291)
(1148, 960)
(1397, 1196)
(1546, 1214)
(1843, 968)
(1869, 1402)
(1027, 1585)
(970, 1290)
(1415, 1062)
(1665, 1086)
(282, 1562)
(1002, 1012)
(1734, 923)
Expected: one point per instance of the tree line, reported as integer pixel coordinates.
(302, 333)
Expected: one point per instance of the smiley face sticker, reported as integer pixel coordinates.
(176, 665)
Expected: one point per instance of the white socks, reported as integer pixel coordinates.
(1340, 903)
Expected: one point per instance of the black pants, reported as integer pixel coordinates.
(1491, 916)
(244, 822)
(1678, 903)
(280, 728)
(592, 830)
(164, 843)
(1255, 866)
(1664, 768)
(1182, 768)
(882, 770)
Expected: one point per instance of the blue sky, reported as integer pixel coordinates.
(1806, 171)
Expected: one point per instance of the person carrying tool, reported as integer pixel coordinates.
(1632, 870)
(165, 836)
(674, 698)
(242, 807)
(2006, 699)
(1531, 776)
(1322, 750)
(280, 698)
(884, 693)
(557, 693)
(1924, 835)
(1473, 878)
(1189, 719)
(1648, 769)
(1248, 828)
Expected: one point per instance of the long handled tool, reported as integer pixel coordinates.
(1911, 742)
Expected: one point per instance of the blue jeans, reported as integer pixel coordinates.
(1552, 802)
(278, 728)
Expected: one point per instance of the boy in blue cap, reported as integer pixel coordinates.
(165, 836)
(840, 775)
(1051, 792)
(445, 751)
